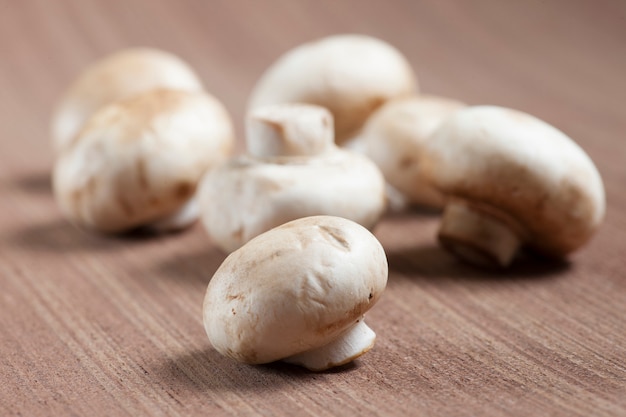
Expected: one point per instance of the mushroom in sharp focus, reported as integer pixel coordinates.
(351, 75)
(137, 162)
(115, 77)
(294, 170)
(393, 138)
(297, 293)
(511, 180)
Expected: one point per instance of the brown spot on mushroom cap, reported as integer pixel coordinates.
(235, 297)
(138, 114)
(350, 317)
(238, 233)
(271, 185)
(141, 174)
(125, 205)
(335, 236)
(275, 125)
(406, 162)
(183, 190)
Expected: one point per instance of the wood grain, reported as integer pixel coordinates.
(93, 325)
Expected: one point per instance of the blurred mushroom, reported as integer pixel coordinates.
(351, 75)
(509, 180)
(393, 138)
(117, 76)
(294, 170)
(137, 162)
(297, 293)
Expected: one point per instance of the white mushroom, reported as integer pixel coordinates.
(137, 162)
(511, 180)
(117, 76)
(298, 293)
(351, 75)
(295, 170)
(393, 138)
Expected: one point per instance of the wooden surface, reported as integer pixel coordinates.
(91, 325)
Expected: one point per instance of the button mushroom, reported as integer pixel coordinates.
(294, 170)
(297, 293)
(393, 138)
(511, 179)
(137, 162)
(351, 75)
(113, 78)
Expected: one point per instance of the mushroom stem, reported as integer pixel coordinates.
(477, 236)
(288, 130)
(350, 344)
(180, 219)
(396, 201)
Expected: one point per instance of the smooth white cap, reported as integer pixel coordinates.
(297, 171)
(115, 77)
(522, 172)
(350, 75)
(295, 289)
(393, 138)
(139, 160)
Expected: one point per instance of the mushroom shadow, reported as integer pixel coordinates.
(34, 182)
(206, 369)
(289, 369)
(61, 236)
(412, 212)
(194, 268)
(428, 262)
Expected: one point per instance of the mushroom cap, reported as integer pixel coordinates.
(294, 288)
(115, 77)
(351, 75)
(247, 196)
(139, 160)
(394, 136)
(520, 169)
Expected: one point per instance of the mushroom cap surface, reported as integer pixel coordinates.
(521, 170)
(393, 138)
(351, 75)
(139, 160)
(247, 196)
(115, 77)
(293, 289)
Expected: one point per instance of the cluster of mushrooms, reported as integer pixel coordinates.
(336, 133)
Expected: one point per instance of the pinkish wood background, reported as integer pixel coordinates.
(91, 325)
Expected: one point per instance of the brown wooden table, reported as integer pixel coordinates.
(93, 325)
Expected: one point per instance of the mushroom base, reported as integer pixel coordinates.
(181, 219)
(351, 344)
(396, 201)
(477, 236)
